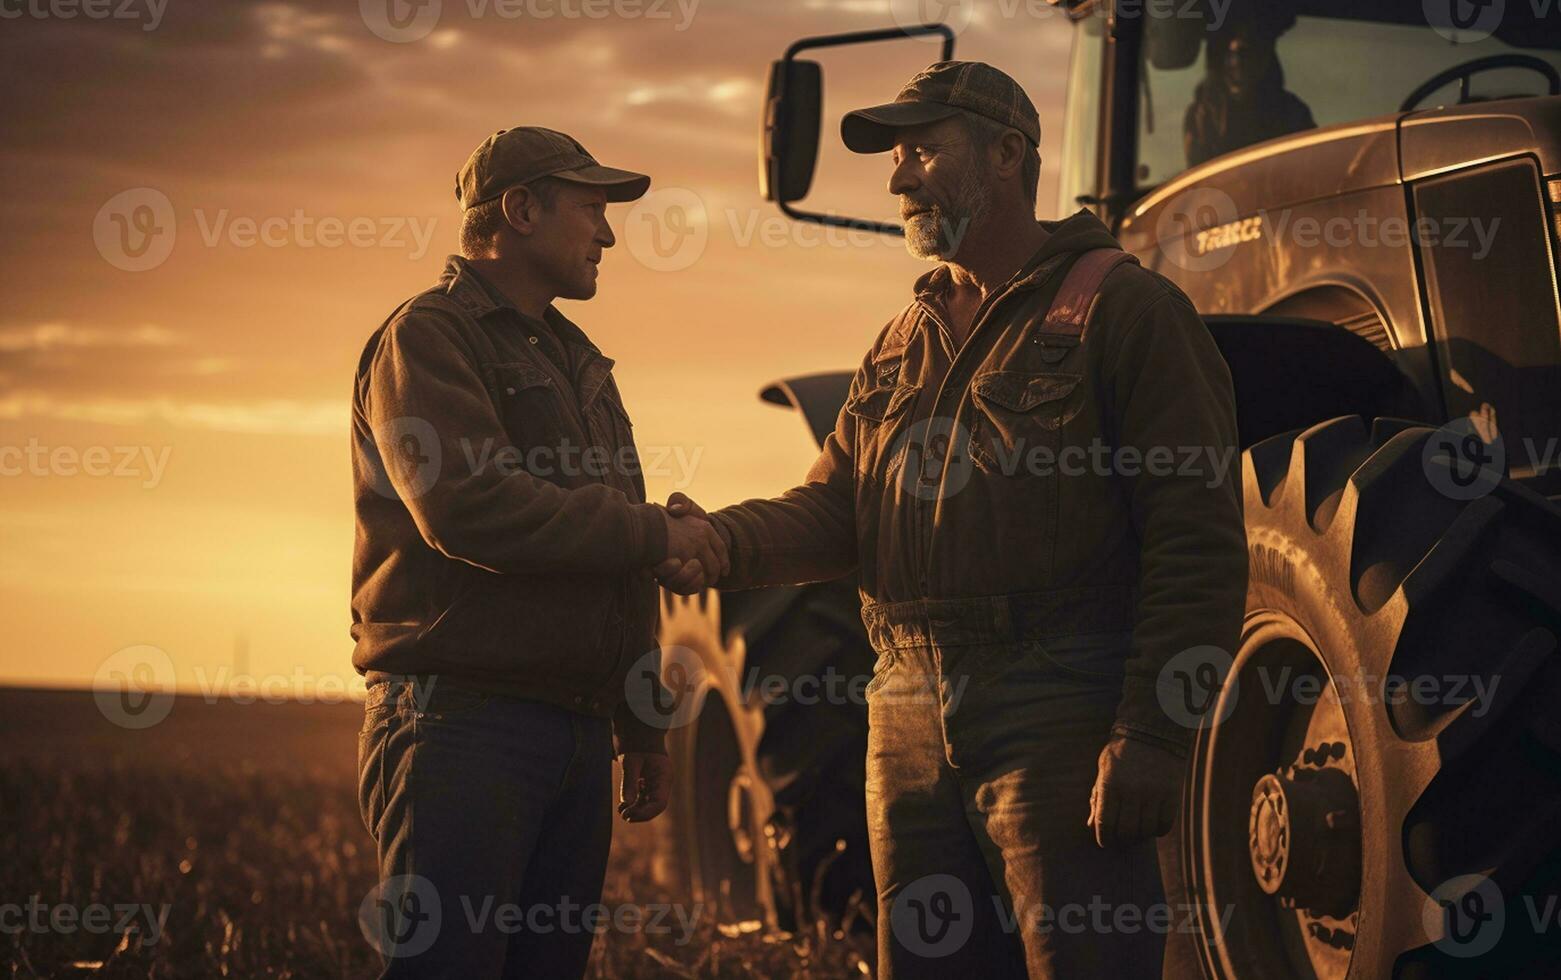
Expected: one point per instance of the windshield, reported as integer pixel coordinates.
(1253, 70)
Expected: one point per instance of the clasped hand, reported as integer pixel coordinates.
(696, 552)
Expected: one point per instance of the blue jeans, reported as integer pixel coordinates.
(493, 819)
(981, 752)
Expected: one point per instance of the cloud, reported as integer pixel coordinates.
(272, 417)
(49, 336)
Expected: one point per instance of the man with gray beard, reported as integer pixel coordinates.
(1012, 813)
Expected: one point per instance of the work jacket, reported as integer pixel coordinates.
(1085, 479)
(502, 535)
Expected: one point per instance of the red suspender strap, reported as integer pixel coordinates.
(1070, 311)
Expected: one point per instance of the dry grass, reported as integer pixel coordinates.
(243, 820)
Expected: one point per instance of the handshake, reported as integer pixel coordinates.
(696, 550)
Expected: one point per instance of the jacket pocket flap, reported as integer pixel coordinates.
(1020, 391)
(512, 378)
(881, 402)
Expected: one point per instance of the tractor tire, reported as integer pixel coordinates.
(1375, 790)
(715, 848)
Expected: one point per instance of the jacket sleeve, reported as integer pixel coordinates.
(439, 436)
(630, 734)
(1171, 390)
(808, 533)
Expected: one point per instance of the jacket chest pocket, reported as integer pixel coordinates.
(1016, 425)
(533, 412)
(880, 413)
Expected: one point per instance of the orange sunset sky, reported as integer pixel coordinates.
(216, 381)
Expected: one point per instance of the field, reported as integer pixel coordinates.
(230, 834)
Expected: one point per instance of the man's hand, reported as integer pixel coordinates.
(647, 785)
(703, 558)
(1136, 792)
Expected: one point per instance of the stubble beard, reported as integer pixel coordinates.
(936, 234)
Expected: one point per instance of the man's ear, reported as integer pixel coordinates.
(520, 208)
(1008, 153)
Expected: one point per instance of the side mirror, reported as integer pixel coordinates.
(793, 114)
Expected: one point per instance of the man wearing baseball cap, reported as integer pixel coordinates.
(502, 582)
(1030, 567)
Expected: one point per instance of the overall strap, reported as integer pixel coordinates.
(1076, 298)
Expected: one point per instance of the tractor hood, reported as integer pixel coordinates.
(1332, 161)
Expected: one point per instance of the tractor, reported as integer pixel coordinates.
(1363, 199)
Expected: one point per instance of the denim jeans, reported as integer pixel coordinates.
(981, 753)
(493, 819)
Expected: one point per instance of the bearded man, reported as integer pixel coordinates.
(1011, 476)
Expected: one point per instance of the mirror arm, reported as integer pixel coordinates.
(859, 37)
(885, 34)
(860, 224)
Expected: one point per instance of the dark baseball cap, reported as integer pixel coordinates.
(519, 155)
(940, 91)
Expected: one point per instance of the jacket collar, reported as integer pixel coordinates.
(479, 298)
(1077, 232)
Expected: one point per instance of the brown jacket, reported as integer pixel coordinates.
(1098, 478)
(505, 545)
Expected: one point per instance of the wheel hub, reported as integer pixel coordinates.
(1303, 835)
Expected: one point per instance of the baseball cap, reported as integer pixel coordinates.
(516, 156)
(940, 91)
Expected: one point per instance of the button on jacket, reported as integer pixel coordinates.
(504, 544)
(1083, 486)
